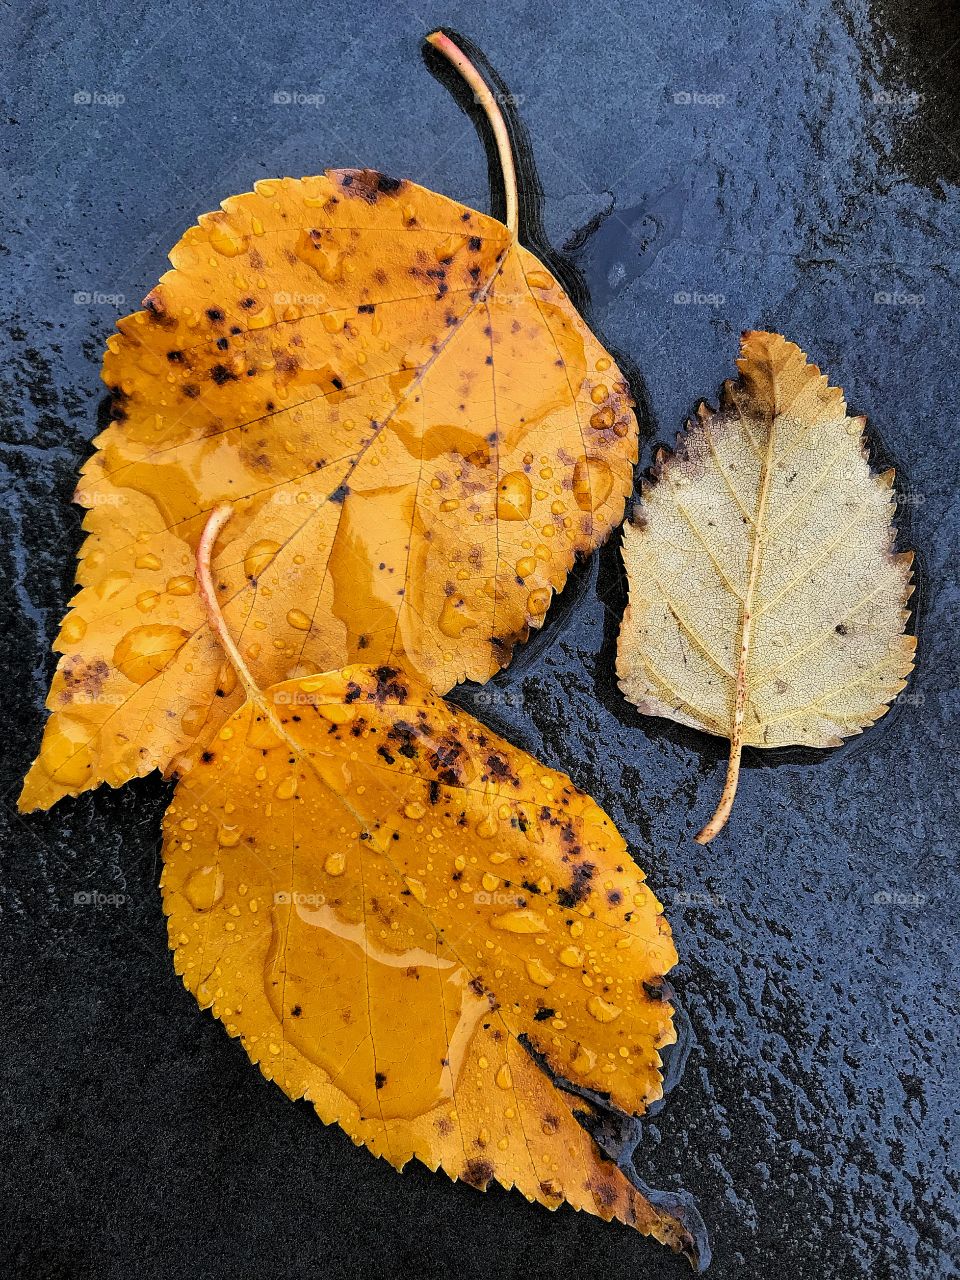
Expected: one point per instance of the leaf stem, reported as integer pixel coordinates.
(218, 625)
(484, 96)
(719, 819)
(211, 531)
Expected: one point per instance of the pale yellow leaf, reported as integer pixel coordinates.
(766, 602)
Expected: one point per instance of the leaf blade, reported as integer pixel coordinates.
(449, 903)
(416, 430)
(779, 478)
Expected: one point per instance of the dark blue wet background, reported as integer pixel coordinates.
(780, 165)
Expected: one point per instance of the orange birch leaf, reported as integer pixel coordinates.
(389, 905)
(418, 434)
(395, 910)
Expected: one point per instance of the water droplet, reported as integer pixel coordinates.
(228, 836)
(487, 827)
(539, 974)
(149, 561)
(570, 957)
(337, 712)
(66, 754)
(328, 264)
(147, 601)
(223, 243)
(454, 618)
(145, 651)
(521, 921)
(397, 1076)
(286, 788)
(262, 734)
(592, 482)
(193, 720)
(417, 889)
(299, 620)
(602, 1010)
(226, 678)
(514, 497)
(538, 601)
(490, 882)
(336, 864)
(603, 364)
(599, 393)
(539, 280)
(525, 566)
(73, 629)
(583, 1060)
(414, 810)
(110, 586)
(602, 419)
(203, 888)
(259, 555)
(449, 246)
(181, 585)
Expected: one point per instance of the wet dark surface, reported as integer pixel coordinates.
(790, 167)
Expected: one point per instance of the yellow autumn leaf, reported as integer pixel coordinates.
(393, 909)
(417, 432)
(766, 602)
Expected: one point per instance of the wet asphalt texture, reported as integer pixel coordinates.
(691, 170)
